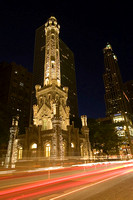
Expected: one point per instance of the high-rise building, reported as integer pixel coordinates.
(67, 69)
(115, 98)
(15, 92)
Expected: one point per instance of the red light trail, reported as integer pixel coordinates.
(50, 186)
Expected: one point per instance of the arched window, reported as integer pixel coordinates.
(33, 150)
(49, 97)
(72, 145)
(57, 97)
(81, 150)
(47, 150)
(34, 146)
(20, 152)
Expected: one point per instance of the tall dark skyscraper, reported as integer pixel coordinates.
(67, 67)
(15, 92)
(115, 98)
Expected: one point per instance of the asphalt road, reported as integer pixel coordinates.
(120, 188)
(101, 182)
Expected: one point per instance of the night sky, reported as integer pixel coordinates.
(86, 27)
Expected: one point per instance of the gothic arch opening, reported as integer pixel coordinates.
(33, 150)
(72, 148)
(20, 152)
(47, 149)
(82, 150)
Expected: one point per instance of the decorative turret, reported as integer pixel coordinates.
(85, 132)
(52, 56)
(84, 120)
(12, 151)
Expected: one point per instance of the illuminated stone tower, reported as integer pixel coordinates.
(51, 99)
(51, 111)
(52, 57)
(67, 65)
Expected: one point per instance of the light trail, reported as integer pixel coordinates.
(85, 178)
(44, 169)
(7, 172)
(46, 182)
(73, 184)
(74, 165)
(76, 184)
(87, 186)
(104, 163)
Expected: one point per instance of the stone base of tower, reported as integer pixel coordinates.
(52, 147)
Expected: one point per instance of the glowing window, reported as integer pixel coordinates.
(72, 145)
(34, 146)
(21, 84)
(47, 150)
(20, 152)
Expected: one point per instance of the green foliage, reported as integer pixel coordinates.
(103, 136)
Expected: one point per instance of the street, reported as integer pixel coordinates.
(103, 181)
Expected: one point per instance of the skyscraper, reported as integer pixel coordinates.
(115, 98)
(15, 92)
(67, 69)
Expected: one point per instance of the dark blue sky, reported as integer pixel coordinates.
(86, 27)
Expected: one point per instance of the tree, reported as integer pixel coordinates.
(103, 136)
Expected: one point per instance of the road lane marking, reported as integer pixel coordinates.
(79, 189)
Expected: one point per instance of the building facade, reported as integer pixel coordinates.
(15, 92)
(116, 99)
(51, 135)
